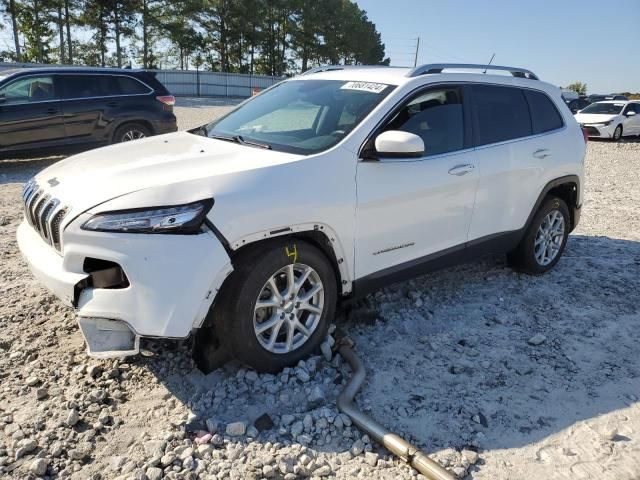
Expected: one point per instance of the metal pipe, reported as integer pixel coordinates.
(392, 442)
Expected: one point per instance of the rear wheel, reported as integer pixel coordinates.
(276, 307)
(131, 131)
(545, 239)
(617, 133)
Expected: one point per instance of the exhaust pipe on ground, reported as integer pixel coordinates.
(392, 442)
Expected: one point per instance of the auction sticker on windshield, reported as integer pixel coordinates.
(364, 86)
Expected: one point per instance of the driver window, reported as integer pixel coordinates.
(30, 89)
(437, 117)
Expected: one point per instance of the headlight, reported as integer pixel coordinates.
(606, 124)
(180, 219)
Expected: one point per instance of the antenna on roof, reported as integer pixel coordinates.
(492, 57)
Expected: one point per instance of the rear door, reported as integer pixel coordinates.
(517, 134)
(86, 101)
(409, 209)
(30, 113)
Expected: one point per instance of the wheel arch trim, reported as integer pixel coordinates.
(340, 263)
(557, 182)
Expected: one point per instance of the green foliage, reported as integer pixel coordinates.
(579, 87)
(273, 37)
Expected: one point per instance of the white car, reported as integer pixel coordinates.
(611, 119)
(254, 228)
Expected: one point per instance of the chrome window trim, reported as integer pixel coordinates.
(150, 92)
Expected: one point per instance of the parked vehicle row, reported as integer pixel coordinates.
(316, 191)
(52, 107)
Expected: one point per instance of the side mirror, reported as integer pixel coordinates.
(630, 114)
(396, 143)
(578, 111)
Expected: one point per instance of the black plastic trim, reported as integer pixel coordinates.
(221, 238)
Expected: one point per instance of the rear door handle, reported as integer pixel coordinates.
(541, 153)
(52, 111)
(112, 104)
(460, 170)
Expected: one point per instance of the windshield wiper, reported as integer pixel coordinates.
(241, 140)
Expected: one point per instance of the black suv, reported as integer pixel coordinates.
(48, 107)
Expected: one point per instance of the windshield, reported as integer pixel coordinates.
(300, 116)
(604, 108)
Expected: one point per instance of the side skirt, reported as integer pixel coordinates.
(491, 244)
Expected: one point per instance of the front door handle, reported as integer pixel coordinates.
(52, 111)
(460, 170)
(541, 153)
(112, 104)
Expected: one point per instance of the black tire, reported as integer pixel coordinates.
(131, 131)
(234, 313)
(523, 258)
(617, 134)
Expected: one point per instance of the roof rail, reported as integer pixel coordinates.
(438, 67)
(329, 68)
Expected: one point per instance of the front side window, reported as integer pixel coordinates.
(631, 107)
(437, 117)
(301, 116)
(28, 90)
(499, 114)
(604, 108)
(544, 115)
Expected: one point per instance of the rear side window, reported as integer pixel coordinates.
(436, 116)
(129, 86)
(85, 86)
(544, 114)
(499, 114)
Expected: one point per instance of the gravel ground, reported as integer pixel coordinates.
(498, 375)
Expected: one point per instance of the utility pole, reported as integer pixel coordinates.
(415, 60)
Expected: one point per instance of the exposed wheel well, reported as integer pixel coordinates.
(316, 238)
(569, 193)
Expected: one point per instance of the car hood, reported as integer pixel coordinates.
(594, 117)
(83, 181)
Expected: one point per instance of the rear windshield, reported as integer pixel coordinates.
(302, 116)
(604, 108)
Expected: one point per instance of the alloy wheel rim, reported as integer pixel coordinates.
(549, 238)
(133, 135)
(617, 134)
(288, 309)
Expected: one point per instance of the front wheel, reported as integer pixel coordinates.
(545, 239)
(276, 307)
(617, 133)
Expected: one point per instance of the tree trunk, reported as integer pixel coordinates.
(61, 33)
(14, 24)
(116, 32)
(145, 40)
(103, 39)
(68, 25)
(36, 17)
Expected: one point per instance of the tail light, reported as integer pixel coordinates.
(167, 100)
(585, 135)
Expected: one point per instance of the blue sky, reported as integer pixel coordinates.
(562, 41)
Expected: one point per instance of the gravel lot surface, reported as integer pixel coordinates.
(497, 374)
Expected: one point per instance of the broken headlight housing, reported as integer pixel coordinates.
(178, 219)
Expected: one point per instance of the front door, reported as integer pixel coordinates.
(413, 209)
(30, 113)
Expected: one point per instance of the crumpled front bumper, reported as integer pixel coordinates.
(172, 282)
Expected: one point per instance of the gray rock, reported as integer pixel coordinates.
(39, 466)
(167, 459)
(94, 370)
(154, 473)
(316, 397)
(287, 420)
(307, 422)
(296, 429)
(32, 381)
(325, 348)
(73, 417)
(236, 429)
(263, 422)
(371, 458)
(154, 446)
(97, 396)
(25, 446)
(42, 393)
(537, 339)
(302, 375)
(212, 425)
(251, 376)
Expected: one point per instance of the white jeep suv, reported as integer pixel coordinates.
(320, 189)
